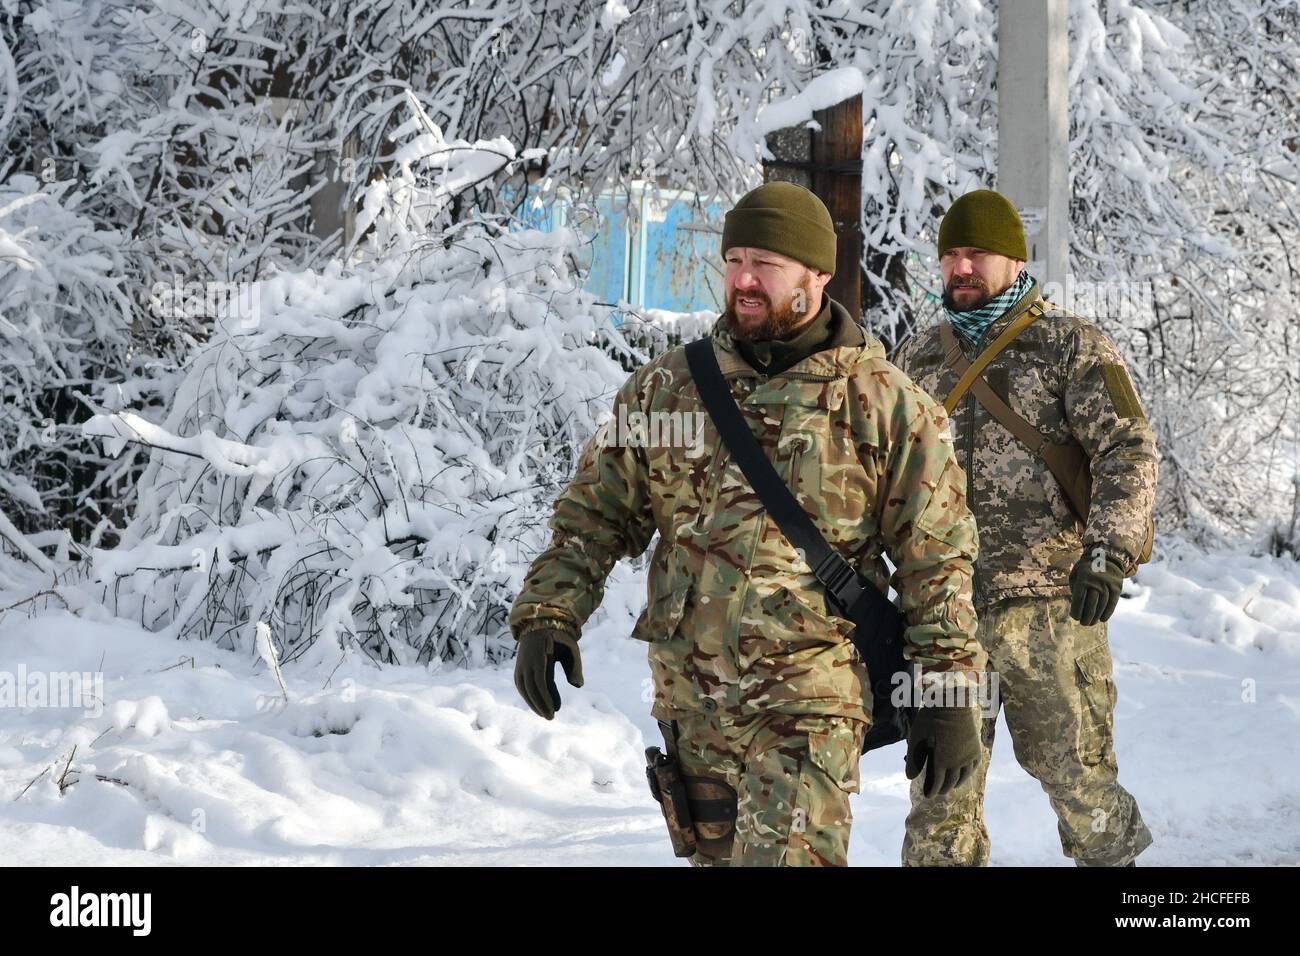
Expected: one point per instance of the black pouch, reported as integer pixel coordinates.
(713, 813)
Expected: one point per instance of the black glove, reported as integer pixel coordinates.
(946, 742)
(1095, 593)
(535, 659)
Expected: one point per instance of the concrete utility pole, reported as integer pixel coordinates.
(1034, 130)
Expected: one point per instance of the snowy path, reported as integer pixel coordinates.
(405, 766)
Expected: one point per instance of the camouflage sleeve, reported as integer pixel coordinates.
(1105, 416)
(930, 536)
(603, 515)
(903, 352)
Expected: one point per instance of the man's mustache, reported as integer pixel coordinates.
(969, 282)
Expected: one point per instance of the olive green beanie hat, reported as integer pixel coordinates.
(984, 220)
(785, 218)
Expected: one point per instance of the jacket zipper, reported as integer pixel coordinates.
(970, 452)
(973, 405)
(969, 400)
(805, 377)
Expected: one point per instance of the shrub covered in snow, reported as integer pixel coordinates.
(367, 459)
(369, 463)
(228, 141)
(65, 342)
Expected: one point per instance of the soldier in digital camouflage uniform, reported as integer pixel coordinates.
(758, 672)
(1045, 584)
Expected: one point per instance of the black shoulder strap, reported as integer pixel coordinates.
(843, 583)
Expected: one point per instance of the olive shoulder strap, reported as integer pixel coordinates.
(969, 372)
(1067, 463)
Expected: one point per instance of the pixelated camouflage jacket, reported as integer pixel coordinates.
(736, 621)
(1068, 380)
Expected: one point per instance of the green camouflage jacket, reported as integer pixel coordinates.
(1067, 379)
(735, 619)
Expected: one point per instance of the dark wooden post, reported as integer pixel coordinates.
(837, 179)
(829, 162)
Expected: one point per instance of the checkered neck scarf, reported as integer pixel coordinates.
(973, 323)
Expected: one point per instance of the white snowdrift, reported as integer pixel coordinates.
(203, 761)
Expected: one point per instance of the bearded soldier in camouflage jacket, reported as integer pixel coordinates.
(751, 664)
(1046, 581)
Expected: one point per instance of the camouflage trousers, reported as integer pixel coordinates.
(792, 774)
(1055, 680)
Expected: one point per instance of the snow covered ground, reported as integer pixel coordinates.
(205, 764)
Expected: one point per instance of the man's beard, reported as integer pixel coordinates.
(776, 323)
(967, 282)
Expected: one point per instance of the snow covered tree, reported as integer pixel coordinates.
(366, 463)
(152, 147)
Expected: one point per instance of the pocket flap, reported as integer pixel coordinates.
(1095, 664)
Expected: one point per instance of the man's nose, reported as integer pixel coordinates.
(965, 267)
(746, 280)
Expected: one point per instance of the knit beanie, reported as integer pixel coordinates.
(786, 218)
(984, 219)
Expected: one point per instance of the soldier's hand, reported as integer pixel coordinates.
(945, 742)
(538, 652)
(1095, 586)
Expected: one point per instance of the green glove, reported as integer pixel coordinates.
(945, 741)
(1095, 586)
(535, 659)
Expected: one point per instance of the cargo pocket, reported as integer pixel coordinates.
(799, 619)
(663, 612)
(1096, 705)
(836, 750)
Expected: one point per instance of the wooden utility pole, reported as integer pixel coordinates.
(837, 179)
(829, 162)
